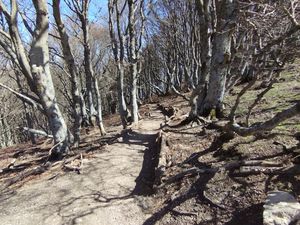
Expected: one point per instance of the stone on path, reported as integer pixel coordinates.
(280, 208)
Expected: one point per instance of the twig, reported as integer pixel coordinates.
(71, 167)
(53, 147)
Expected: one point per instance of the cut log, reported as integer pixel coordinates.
(162, 142)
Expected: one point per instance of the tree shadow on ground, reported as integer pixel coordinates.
(34, 161)
(146, 177)
(252, 215)
(196, 190)
(144, 181)
(249, 216)
(74, 208)
(216, 146)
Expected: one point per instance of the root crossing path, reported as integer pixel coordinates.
(105, 193)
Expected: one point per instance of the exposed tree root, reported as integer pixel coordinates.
(187, 120)
(238, 168)
(269, 124)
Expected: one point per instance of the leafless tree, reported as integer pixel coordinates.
(77, 101)
(34, 65)
(127, 24)
(81, 9)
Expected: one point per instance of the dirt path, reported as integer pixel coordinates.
(104, 193)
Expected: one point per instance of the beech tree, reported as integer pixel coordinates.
(77, 100)
(226, 14)
(34, 65)
(236, 43)
(81, 9)
(273, 52)
(197, 49)
(118, 47)
(126, 37)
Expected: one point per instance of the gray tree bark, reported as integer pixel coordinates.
(117, 41)
(122, 103)
(206, 12)
(133, 60)
(35, 68)
(99, 109)
(28, 114)
(6, 132)
(92, 90)
(89, 72)
(40, 69)
(221, 57)
(69, 59)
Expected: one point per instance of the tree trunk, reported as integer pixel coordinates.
(37, 71)
(89, 84)
(221, 58)
(92, 91)
(99, 109)
(206, 10)
(88, 68)
(6, 132)
(85, 119)
(39, 60)
(133, 94)
(69, 59)
(122, 104)
(29, 122)
(133, 60)
(28, 114)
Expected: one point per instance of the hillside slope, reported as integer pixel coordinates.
(196, 175)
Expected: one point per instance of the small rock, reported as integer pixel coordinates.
(120, 139)
(280, 208)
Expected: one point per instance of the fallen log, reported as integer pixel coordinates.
(264, 163)
(35, 171)
(163, 146)
(37, 132)
(162, 143)
(14, 168)
(245, 170)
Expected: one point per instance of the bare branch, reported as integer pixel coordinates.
(269, 124)
(24, 98)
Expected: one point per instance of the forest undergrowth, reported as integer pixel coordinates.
(207, 177)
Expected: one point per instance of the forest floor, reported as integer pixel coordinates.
(106, 190)
(121, 178)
